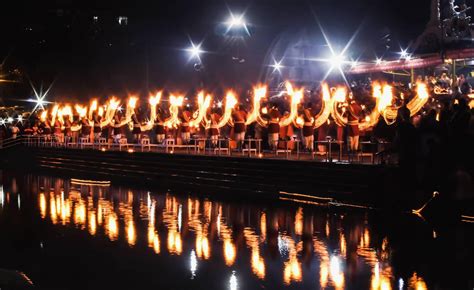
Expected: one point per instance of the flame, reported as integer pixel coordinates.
(296, 97)
(203, 105)
(259, 93)
(175, 103)
(132, 102)
(82, 111)
(339, 96)
(325, 112)
(230, 102)
(43, 116)
(153, 101)
(109, 113)
(419, 100)
(92, 108)
(101, 111)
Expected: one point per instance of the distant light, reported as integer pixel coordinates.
(337, 61)
(233, 284)
(130, 150)
(120, 109)
(122, 20)
(2, 121)
(408, 57)
(195, 51)
(40, 97)
(9, 120)
(193, 262)
(378, 61)
(219, 104)
(277, 66)
(20, 118)
(403, 53)
(400, 283)
(236, 21)
(354, 63)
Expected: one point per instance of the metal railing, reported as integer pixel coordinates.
(199, 146)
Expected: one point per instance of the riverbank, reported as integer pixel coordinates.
(255, 178)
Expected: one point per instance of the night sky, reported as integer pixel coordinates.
(60, 41)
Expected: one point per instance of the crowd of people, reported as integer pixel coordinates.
(447, 118)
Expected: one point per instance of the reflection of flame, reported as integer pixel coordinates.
(42, 205)
(174, 243)
(92, 223)
(229, 252)
(417, 282)
(299, 222)
(292, 271)
(111, 227)
(131, 234)
(257, 262)
(80, 214)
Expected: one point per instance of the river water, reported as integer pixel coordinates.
(65, 235)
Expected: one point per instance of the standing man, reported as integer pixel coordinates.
(274, 128)
(159, 127)
(97, 129)
(185, 130)
(214, 130)
(239, 117)
(308, 127)
(136, 128)
(353, 126)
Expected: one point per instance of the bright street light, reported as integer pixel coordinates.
(236, 24)
(277, 66)
(336, 61)
(195, 51)
(236, 21)
(403, 53)
(378, 61)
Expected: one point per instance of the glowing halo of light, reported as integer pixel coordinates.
(175, 102)
(153, 101)
(259, 93)
(296, 97)
(326, 106)
(420, 99)
(203, 105)
(230, 102)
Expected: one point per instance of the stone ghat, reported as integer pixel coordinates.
(247, 177)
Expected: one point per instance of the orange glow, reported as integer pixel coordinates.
(131, 233)
(296, 97)
(111, 226)
(323, 116)
(92, 223)
(80, 214)
(230, 252)
(203, 105)
(42, 205)
(43, 116)
(259, 93)
(299, 222)
(230, 102)
(419, 100)
(417, 282)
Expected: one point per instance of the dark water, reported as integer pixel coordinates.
(68, 236)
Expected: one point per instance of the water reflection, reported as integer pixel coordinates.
(291, 245)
